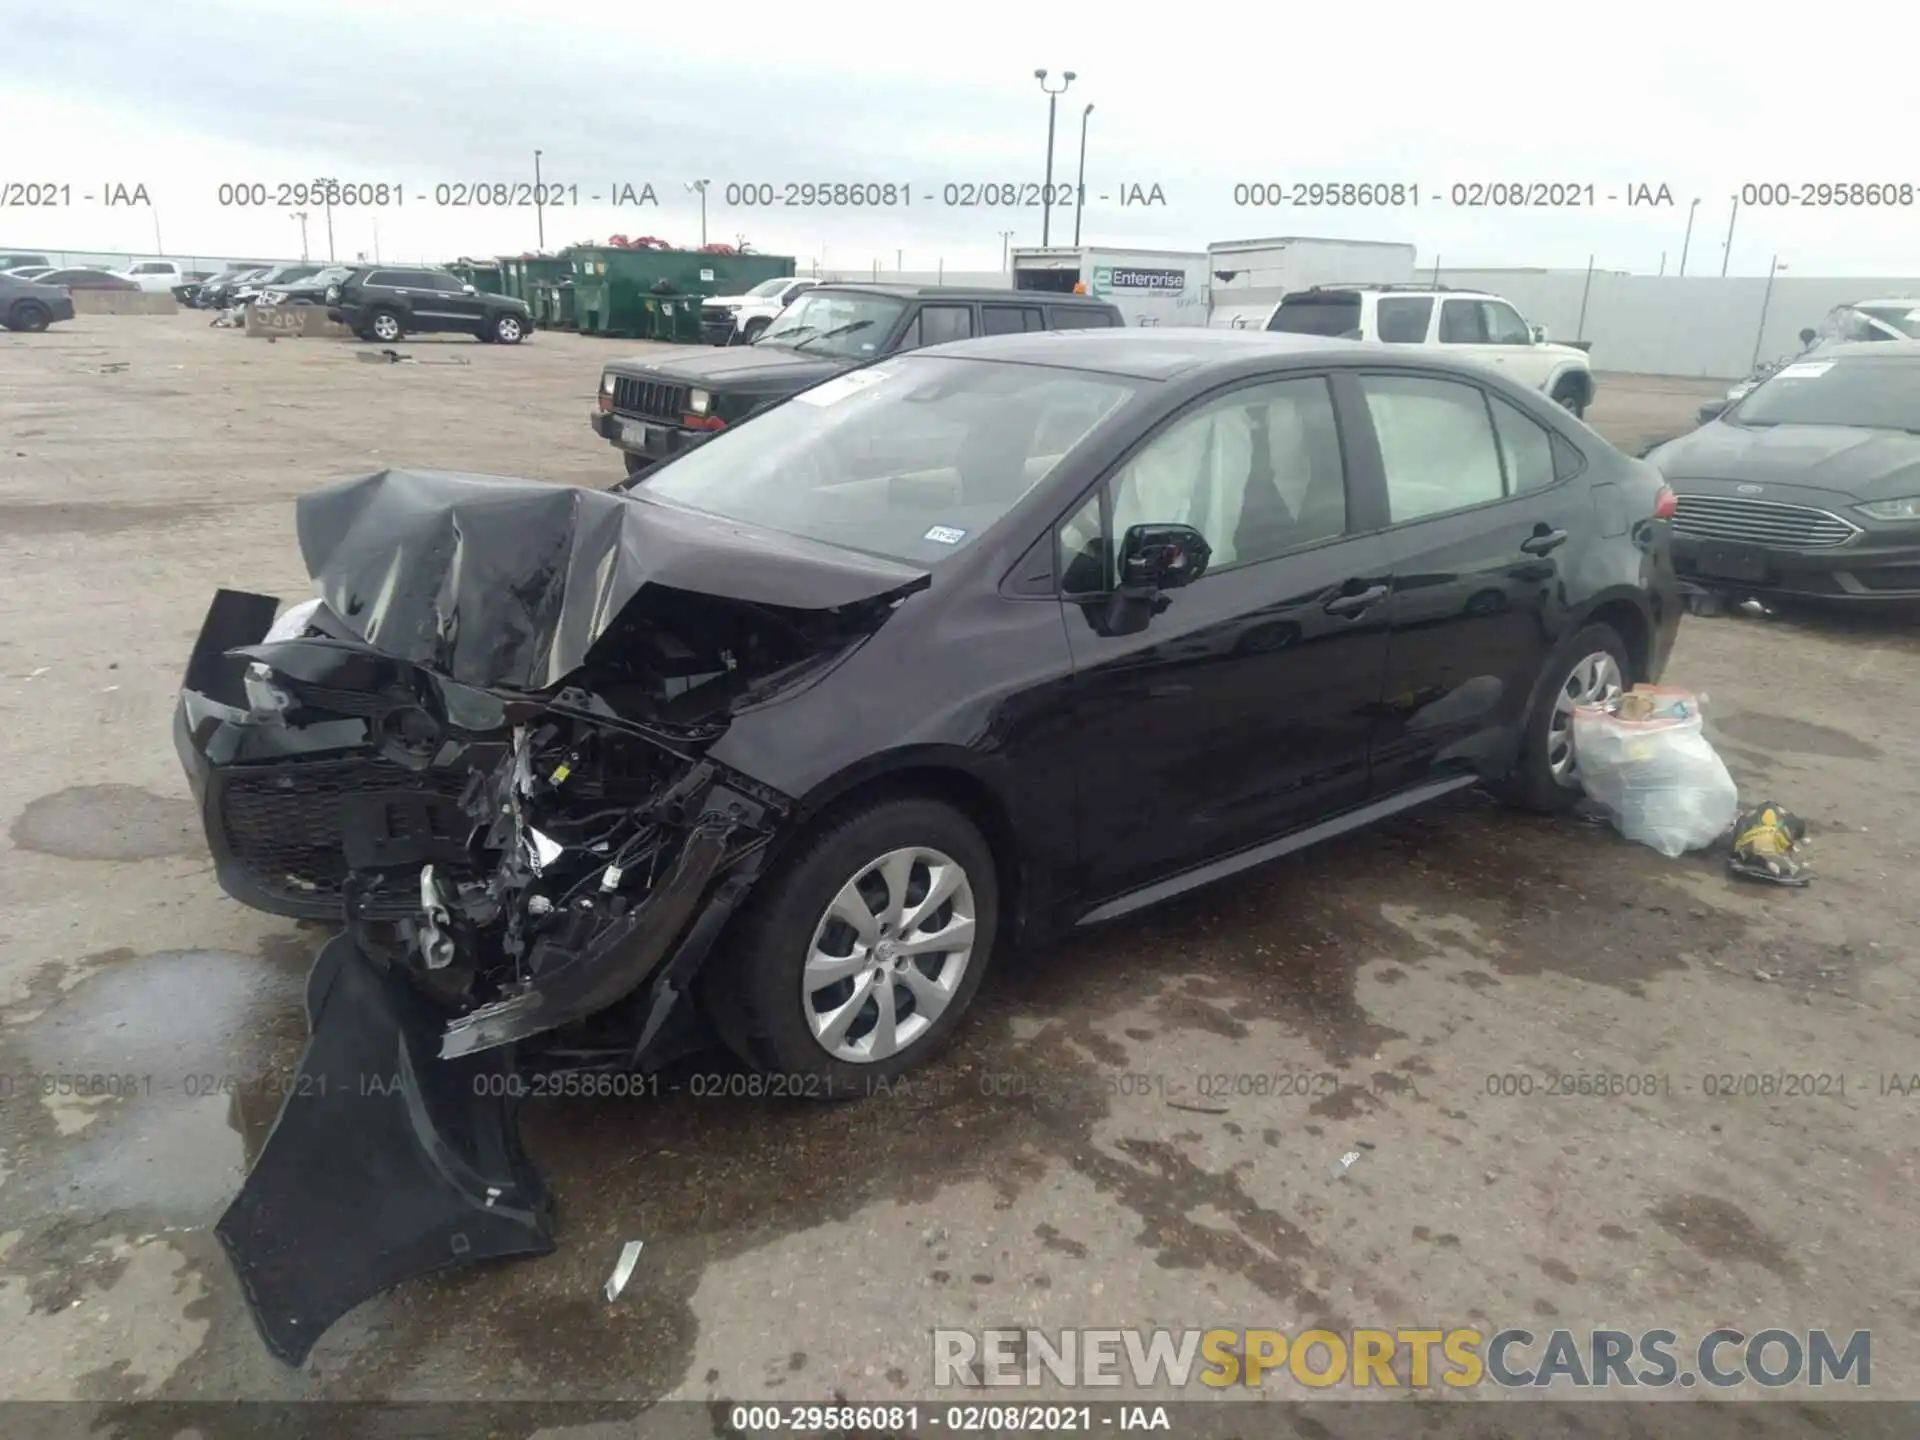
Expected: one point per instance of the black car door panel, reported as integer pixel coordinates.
(1241, 709)
(1481, 538)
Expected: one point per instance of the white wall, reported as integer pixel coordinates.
(1674, 325)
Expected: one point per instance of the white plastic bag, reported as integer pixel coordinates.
(1660, 779)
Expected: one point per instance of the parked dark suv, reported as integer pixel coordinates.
(652, 410)
(386, 302)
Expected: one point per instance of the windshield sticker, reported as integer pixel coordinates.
(945, 535)
(841, 386)
(1805, 370)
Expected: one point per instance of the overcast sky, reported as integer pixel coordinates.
(1194, 99)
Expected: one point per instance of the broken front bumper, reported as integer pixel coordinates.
(386, 1162)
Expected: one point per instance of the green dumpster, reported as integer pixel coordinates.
(483, 275)
(612, 287)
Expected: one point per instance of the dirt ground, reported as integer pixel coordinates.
(1136, 1128)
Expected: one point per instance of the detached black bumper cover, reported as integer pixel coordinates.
(386, 1163)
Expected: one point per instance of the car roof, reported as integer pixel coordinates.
(1152, 353)
(903, 291)
(1366, 289)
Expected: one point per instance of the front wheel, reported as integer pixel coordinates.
(1591, 668)
(754, 330)
(509, 329)
(858, 956)
(384, 326)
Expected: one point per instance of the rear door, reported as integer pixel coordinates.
(1241, 710)
(1485, 517)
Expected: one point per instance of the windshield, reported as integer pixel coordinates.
(770, 287)
(911, 459)
(1326, 315)
(1867, 392)
(844, 323)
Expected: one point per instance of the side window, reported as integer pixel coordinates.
(1078, 317)
(1008, 319)
(792, 293)
(1526, 448)
(1437, 444)
(1504, 325)
(1462, 322)
(385, 277)
(1258, 472)
(937, 324)
(1403, 319)
(151, 269)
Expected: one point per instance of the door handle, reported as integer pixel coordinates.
(1543, 541)
(1354, 604)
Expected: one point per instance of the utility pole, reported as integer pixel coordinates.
(1686, 243)
(329, 200)
(1726, 251)
(1005, 236)
(701, 187)
(1766, 298)
(1080, 182)
(1046, 197)
(539, 206)
(301, 216)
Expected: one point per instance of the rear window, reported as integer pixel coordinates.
(1081, 317)
(1329, 314)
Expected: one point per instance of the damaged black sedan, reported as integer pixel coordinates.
(947, 653)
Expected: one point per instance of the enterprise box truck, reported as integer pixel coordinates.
(1149, 287)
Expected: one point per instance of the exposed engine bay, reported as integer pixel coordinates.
(483, 752)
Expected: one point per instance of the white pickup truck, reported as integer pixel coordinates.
(739, 319)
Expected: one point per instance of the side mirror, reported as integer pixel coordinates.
(1713, 409)
(1162, 557)
(1539, 334)
(468, 290)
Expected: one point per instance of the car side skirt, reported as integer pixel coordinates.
(1220, 869)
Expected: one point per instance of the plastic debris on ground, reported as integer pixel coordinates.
(1346, 1162)
(1647, 760)
(1764, 841)
(623, 1270)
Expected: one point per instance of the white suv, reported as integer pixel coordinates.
(1469, 323)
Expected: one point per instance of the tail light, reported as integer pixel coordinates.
(1665, 503)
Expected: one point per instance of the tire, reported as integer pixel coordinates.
(757, 994)
(385, 326)
(754, 330)
(509, 329)
(1571, 396)
(1543, 780)
(29, 317)
(637, 465)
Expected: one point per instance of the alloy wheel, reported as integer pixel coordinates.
(1596, 680)
(888, 956)
(386, 326)
(508, 330)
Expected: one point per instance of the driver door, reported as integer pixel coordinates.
(1242, 709)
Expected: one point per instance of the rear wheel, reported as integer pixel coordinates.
(29, 316)
(860, 953)
(1591, 668)
(1571, 395)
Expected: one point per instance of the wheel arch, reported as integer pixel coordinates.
(946, 773)
(1625, 613)
(1579, 374)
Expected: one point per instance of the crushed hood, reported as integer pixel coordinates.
(502, 583)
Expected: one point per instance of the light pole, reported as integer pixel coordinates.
(701, 186)
(1046, 195)
(301, 216)
(1766, 298)
(1726, 251)
(1080, 182)
(539, 209)
(1689, 240)
(1005, 237)
(329, 204)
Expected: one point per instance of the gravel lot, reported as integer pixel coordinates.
(795, 1252)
